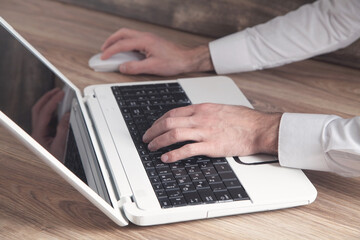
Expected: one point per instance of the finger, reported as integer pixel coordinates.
(58, 144)
(46, 113)
(186, 111)
(43, 100)
(189, 150)
(118, 35)
(124, 45)
(175, 136)
(165, 125)
(138, 67)
(178, 117)
(150, 65)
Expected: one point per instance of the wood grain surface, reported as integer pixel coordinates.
(35, 203)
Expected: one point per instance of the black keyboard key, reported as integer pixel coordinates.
(228, 176)
(141, 147)
(160, 193)
(143, 152)
(223, 168)
(207, 195)
(125, 110)
(167, 178)
(145, 158)
(179, 201)
(187, 187)
(148, 165)
(174, 193)
(232, 183)
(205, 165)
(170, 185)
(193, 169)
(164, 170)
(217, 187)
(164, 202)
(201, 184)
(127, 116)
(192, 198)
(179, 172)
(238, 194)
(183, 179)
(151, 172)
(157, 186)
(190, 162)
(155, 156)
(177, 165)
(197, 176)
(213, 179)
(154, 180)
(209, 172)
(223, 196)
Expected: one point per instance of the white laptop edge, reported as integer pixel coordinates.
(113, 213)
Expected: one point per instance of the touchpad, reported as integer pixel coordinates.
(256, 159)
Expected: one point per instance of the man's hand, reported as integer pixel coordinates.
(51, 137)
(216, 131)
(163, 57)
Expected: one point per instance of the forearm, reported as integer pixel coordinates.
(199, 59)
(313, 29)
(268, 133)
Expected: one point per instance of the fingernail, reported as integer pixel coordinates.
(144, 138)
(164, 158)
(151, 146)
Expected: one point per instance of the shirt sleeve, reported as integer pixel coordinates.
(320, 142)
(313, 29)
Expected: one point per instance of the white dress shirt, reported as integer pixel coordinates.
(307, 141)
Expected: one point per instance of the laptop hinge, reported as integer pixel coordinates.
(125, 199)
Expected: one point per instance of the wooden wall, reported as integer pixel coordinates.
(212, 18)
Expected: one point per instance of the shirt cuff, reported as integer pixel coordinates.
(300, 141)
(230, 54)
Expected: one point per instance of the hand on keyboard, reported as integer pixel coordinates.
(194, 180)
(216, 131)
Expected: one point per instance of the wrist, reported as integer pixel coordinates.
(269, 133)
(200, 59)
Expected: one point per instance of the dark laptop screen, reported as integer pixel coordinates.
(33, 97)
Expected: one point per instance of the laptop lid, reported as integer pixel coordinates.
(42, 108)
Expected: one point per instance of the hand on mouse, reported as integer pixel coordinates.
(215, 130)
(163, 57)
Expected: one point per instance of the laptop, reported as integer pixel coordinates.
(93, 140)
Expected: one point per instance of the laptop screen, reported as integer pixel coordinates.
(38, 101)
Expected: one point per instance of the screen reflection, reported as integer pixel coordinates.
(37, 101)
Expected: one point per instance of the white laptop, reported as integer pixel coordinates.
(101, 153)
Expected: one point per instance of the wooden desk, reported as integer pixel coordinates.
(35, 203)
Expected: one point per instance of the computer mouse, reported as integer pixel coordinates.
(112, 64)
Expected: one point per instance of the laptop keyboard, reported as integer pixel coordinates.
(195, 180)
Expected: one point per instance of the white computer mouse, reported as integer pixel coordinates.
(112, 64)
